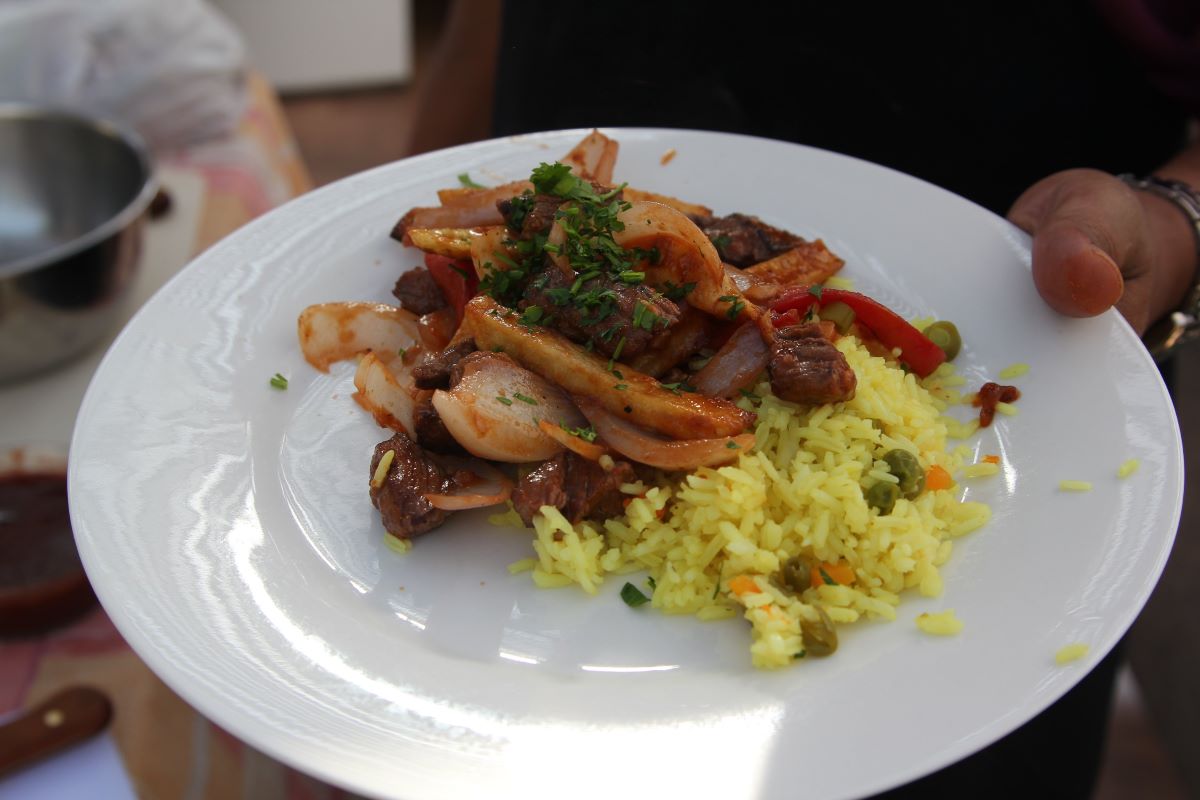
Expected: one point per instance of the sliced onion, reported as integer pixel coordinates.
(644, 447)
(740, 360)
(385, 391)
(580, 447)
(493, 412)
(492, 489)
(332, 332)
(741, 279)
(685, 256)
(593, 158)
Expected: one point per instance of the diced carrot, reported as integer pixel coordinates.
(743, 584)
(992, 459)
(842, 574)
(936, 478)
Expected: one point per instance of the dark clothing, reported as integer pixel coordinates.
(983, 98)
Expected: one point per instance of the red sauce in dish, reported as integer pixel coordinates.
(42, 583)
(991, 394)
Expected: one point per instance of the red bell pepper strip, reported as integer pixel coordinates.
(456, 278)
(916, 350)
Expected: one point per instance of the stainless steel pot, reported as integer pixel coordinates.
(73, 192)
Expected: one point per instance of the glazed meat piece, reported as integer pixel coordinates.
(579, 488)
(435, 370)
(400, 498)
(743, 240)
(428, 428)
(527, 219)
(418, 292)
(606, 312)
(805, 367)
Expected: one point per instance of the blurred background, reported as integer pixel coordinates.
(272, 99)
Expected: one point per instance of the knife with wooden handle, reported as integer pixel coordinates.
(65, 719)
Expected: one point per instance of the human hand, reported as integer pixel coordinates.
(1098, 243)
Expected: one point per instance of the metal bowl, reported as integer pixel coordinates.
(73, 192)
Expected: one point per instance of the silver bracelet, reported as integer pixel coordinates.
(1166, 335)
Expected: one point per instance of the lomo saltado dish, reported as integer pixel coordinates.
(656, 389)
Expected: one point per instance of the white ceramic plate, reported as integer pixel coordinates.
(226, 527)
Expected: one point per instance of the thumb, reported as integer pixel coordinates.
(1083, 224)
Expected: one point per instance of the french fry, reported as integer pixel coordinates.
(634, 396)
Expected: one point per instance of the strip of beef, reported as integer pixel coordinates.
(743, 240)
(579, 488)
(418, 292)
(401, 496)
(805, 367)
(610, 314)
(529, 215)
(434, 370)
(428, 428)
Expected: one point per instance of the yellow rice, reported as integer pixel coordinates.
(798, 492)
(1071, 652)
(942, 623)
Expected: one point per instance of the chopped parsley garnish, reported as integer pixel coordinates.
(589, 219)
(815, 290)
(533, 316)
(749, 394)
(645, 318)
(735, 305)
(588, 434)
(466, 181)
(278, 381)
(524, 398)
(732, 445)
(679, 386)
(466, 276)
(616, 353)
(633, 596)
(721, 242)
(505, 400)
(620, 387)
(651, 583)
(673, 292)
(825, 577)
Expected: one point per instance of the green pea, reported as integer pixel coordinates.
(945, 335)
(820, 637)
(905, 466)
(796, 574)
(883, 496)
(841, 315)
